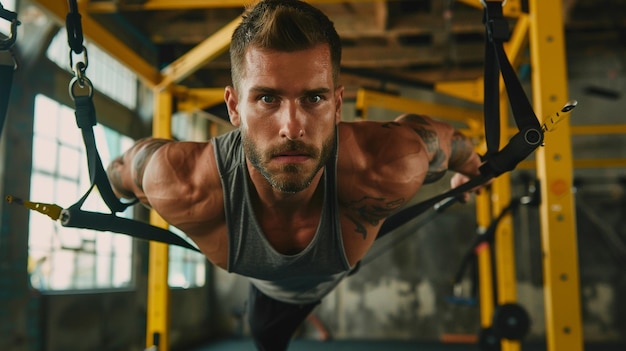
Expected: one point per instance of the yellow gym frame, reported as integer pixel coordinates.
(543, 28)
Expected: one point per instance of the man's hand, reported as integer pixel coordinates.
(458, 179)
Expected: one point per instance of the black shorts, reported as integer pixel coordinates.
(272, 322)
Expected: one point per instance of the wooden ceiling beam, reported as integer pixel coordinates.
(201, 54)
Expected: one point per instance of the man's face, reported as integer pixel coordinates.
(287, 109)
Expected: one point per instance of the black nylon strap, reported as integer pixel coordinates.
(77, 218)
(74, 28)
(491, 96)
(530, 134)
(86, 119)
(406, 214)
(7, 67)
(497, 30)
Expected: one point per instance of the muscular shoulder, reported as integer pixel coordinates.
(180, 174)
(381, 166)
(389, 151)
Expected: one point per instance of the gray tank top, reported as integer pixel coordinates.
(302, 278)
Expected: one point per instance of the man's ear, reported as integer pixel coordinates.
(338, 103)
(231, 99)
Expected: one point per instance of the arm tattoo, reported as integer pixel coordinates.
(437, 165)
(371, 210)
(390, 124)
(115, 178)
(462, 150)
(428, 135)
(141, 158)
(436, 168)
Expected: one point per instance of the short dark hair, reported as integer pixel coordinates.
(283, 25)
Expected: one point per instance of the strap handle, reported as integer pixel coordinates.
(77, 218)
(530, 133)
(86, 119)
(85, 113)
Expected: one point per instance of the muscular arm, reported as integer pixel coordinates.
(447, 148)
(126, 172)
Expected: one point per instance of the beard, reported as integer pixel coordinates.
(288, 178)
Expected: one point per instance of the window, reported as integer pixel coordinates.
(187, 269)
(63, 258)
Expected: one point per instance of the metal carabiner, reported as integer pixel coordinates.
(7, 43)
(81, 66)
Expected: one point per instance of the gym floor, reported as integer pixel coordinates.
(379, 345)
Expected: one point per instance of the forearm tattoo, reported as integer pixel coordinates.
(141, 158)
(437, 166)
(370, 210)
(462, 150)
(390, 124)
(115, 178)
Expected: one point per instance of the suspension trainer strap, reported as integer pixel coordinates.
(7, 66)
(522, 144)
(77, 218)
(530, 133)
(85, 113)
(86, 119)
(408, 213)
(7, 63)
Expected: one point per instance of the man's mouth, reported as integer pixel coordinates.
(293, 152)
(291, 157)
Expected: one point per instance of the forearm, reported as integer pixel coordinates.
(463, 158)
(126, 172)
(447, 149)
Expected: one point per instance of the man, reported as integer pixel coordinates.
(293, 198)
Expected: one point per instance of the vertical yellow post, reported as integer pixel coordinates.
(485, 270)
(554, 170)
(504, 246)
(157, 330)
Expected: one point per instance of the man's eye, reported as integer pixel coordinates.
(314, 99)
(268, 99)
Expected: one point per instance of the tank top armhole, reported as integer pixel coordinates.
(331, 178)
(220, 147)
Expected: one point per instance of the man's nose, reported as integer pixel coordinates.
(292, 127)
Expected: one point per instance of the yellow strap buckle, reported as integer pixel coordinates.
(51, 210)
(550, 122)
